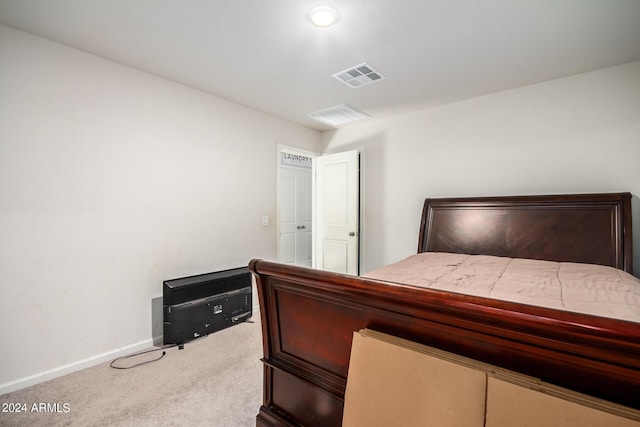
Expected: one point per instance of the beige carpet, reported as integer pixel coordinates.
(214, 381)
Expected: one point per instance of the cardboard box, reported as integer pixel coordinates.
(391, 385)
(393, 382)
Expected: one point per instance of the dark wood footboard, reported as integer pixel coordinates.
(309, 316)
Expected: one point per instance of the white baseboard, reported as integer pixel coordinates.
(72, 367)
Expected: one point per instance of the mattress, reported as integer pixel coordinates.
(581, 288)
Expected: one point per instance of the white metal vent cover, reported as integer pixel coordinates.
(358, 76)
(338, 115)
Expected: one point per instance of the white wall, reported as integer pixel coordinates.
(579, 134)
(112, 180)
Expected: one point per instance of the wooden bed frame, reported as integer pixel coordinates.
(309, 316)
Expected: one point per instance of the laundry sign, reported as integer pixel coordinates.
(288, 159)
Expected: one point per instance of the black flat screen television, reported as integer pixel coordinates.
(197, 306)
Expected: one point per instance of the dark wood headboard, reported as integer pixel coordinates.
(588, 228)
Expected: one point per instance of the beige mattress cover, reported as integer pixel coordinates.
(583, 288)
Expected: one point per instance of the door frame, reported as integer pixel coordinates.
(281, 148)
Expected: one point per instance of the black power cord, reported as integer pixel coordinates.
(112, 364)
(163, 349)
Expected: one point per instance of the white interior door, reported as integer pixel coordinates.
(336, 212)
(295, 227)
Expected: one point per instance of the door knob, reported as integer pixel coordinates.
(301, 227)
(352, 233)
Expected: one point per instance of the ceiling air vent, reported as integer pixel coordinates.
(358, 76)
(338, 115)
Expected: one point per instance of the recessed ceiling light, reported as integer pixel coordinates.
(323, 16)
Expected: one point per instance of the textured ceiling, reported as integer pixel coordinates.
(266, 55)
